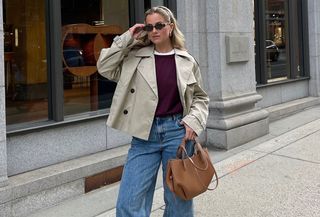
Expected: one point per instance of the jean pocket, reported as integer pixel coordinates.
(137, 141)
(178, 122)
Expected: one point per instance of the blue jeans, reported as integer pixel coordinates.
(140, 172)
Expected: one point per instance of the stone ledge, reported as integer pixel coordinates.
(251, 98)
(237, 121)
(84, 205)
(32, 203)
(3, 181)
(280, 111)
(46, 178)
(228, 139)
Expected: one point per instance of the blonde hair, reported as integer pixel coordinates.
(177, 37)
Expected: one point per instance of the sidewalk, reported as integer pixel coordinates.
(275, 175)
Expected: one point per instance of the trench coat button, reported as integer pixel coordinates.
(132, 90)
(125, 111)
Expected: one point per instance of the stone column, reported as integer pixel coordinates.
(3, 150)
(234, 118)
(220, 35)
(314, 52)
(191, 16)
(192, 21)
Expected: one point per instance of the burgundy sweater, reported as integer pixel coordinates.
(168, 93)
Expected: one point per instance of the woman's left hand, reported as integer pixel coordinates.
(190, 134)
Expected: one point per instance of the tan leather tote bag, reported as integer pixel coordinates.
(187, 176)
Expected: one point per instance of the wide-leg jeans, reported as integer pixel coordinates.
(141, 169)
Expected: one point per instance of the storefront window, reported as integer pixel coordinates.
(152, 3)
(50, 84)
(25, 61)
(278, 40)
(87, 27)
(156, 3)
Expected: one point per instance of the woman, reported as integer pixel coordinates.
(159, 100)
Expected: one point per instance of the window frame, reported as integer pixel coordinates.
(303, 44)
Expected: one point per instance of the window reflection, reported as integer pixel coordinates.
(155, 3)
(275, 43)
(87, 27)
(25, 61)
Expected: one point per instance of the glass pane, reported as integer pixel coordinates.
(156, 3)
(87, 27)
(25, 61)
(277, 57)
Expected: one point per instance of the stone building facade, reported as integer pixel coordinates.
(46, 161)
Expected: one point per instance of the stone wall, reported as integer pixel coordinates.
(314, 46)
(3, 150)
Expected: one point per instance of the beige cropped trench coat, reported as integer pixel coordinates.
(136, 96)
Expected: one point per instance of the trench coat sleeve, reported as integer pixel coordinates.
(110, 60)
(199, 110)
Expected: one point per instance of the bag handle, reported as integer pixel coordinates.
(182, 151)
(202, 155)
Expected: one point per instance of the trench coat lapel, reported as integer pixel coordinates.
(147, 67)
(184, 71)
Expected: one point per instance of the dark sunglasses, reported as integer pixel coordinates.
(158, 26)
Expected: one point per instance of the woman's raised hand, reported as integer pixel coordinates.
(136, 30)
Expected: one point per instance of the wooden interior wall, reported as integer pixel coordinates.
(28, 17)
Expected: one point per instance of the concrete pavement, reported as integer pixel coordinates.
(275, 175)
